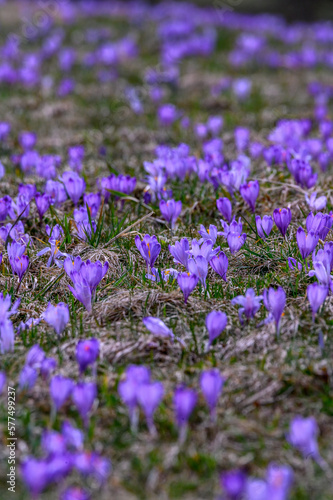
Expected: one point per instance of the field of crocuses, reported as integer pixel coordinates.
(166, 249)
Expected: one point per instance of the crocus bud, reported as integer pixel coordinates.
(216, 321)
(184, 402)
(211, 383)
(57, 316)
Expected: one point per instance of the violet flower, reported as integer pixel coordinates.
(35, 474)
(6, 326)
(316, 204)
(275, 301)
(208, 234)
(149, 248)
(205, 250)
(303, 434)
(3, 380)
(306, 242)
(216, 321)
(279, 480)
(87, 352)
(199, 267)
(249, 193)
(18, 262)
(43, 202)
(319, 223)
(184, 401)
(157, 327)
(27, 378)
(81, 290)
(316, 295)
(150, 395)
(233, 484)
(250, 304)
(60, 390)
(187, 283)
(74, 184)
(180, 251)
(322, 263)
(225, 208)
(220, 265)
(235, 241)
(128, 390)
(57, 316)
(55, 240)
(264, 226)
(282, 219)
(171, 210)
(75, 157)
(211, 383)
(242, 138)
(83, 396)
(93, 201)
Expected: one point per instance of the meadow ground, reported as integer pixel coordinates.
(269, 380)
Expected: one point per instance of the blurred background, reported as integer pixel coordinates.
(292, 10)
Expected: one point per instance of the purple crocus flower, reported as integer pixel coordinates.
(74, 438)
(316, 295)
(74, 185)
(319, 223)
(43, 202)
(235, 241)
(87, 351)
(27, 140)
(128, 390)
(216, 321)
(60, 390)
(306, 242)
(275, 301)
(81, 290)
(233, 483)
(279, 480)
(187, 283)
(3, 379)
(208, 234)
(57, 191)
(302, 172)
(75, 157)
(316, 204)
(18, 262)
(149, 248)
(211, 383)
(199, 267)
(170, 210)
(167, 114)
(205, 250)
(184, 401)
(249, 193)
(57, 316)
(264, 225)
(35, 357)
(27, 378)
(92, 272)
(93, 201)
(4, 130)
(225, 208)
(250, 304)
(242, 138)
(220, 265)
(157, 327)
(83, 396)
(47, 367)
(35, 474)
(303, 434)
(149, 396)
(282, 219)
(322, 263)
